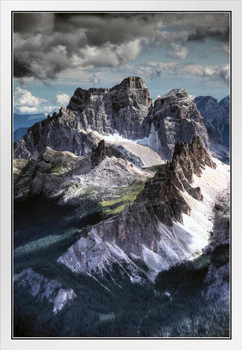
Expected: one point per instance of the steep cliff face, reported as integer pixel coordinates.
(150, 230)
(131, 105)
(61, 132)
(121, 109)
(175, 118)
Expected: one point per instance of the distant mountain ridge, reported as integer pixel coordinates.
(217, 115)
(19, 133)
(26, 120)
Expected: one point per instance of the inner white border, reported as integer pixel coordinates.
(5, 141)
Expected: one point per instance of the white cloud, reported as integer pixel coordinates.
(217, 72)
(154, 70)
(225, 73)
(48, 109)
(178, 51)
(27, 109)
(34, 110)
(25, 102)
(62, 99)
(24, 97)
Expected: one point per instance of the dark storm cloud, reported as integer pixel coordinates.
(219, 34)
(47, 43)
(113, 28)
(31, 23)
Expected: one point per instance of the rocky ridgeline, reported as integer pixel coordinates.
(125, 109)
(141, 228)
(60, 132)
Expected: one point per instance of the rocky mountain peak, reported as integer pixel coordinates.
(98, 153)
(102, 151)
(175, 98)
(192, 158)
(122, 109)
(133, 82)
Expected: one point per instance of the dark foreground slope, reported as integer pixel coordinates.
(52, 300)
(179, 304)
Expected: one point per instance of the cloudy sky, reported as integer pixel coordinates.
(54, 53)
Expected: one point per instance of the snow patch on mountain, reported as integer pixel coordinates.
(147, 155)
(152, 140)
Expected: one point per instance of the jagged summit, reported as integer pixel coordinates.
(121, 109)
(133, 82)
(195, 154)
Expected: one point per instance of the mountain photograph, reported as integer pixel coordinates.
(121, 175)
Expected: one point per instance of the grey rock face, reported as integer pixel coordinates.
(61, 132)
(121, 109)
(176, 118)
(93, 256)
(217, 115)
(131, 105)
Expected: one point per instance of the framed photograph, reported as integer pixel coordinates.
(120, 169)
